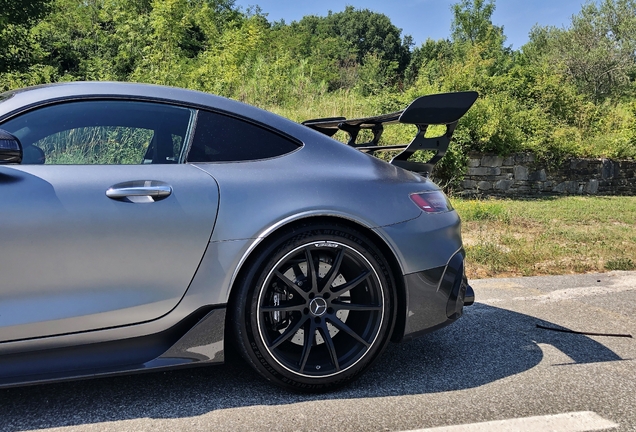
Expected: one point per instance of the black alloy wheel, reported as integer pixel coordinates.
(318, 310)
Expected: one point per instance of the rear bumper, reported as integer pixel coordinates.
(435, 297)
(469, 298)
(433, 288)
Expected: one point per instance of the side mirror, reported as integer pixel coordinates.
(10, 148)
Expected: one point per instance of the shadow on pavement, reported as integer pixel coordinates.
(486, 345)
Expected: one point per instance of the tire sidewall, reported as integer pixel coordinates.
(253, 347)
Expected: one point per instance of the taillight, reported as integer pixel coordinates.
(432, 202)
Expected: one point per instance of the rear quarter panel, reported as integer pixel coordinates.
(323, 177)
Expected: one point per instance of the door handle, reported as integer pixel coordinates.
(151, 191)
(139, 191)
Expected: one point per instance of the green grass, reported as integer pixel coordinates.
(477, 210)
(548, 236)
(620, 264)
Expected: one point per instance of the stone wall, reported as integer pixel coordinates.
(521, 174)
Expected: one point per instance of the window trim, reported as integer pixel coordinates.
(248, 120)
(189, 134)
(177, 103)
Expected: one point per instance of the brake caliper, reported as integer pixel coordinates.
(279, 320)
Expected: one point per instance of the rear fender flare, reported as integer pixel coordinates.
(284, 223)
(391, 254)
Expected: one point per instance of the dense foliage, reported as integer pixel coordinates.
(568, 91)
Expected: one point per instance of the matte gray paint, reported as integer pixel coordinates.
(324, 177)
(426, 242)
(73, 259)
(254, 194)
(215, 275)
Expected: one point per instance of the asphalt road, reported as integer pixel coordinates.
(493, 364)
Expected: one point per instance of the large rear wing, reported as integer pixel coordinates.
(439, 109)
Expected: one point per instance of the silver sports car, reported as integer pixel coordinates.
(146, 227)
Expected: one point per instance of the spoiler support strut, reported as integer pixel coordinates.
(439, 109)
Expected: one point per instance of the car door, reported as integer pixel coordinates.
(101, 226)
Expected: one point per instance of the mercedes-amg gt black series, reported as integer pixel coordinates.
(146, 227)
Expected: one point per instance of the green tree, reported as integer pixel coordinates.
(17, 47)
(22, 12)
(337, 46)
(429, 56)
(370, 33)
(597, 51)
(472, 25)
(472, 21)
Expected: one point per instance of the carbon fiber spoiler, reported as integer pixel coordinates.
(438, 109)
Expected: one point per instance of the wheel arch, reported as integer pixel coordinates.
(387, 251)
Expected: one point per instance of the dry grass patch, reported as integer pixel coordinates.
(548, 236)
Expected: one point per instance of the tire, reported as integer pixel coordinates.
(315, 308)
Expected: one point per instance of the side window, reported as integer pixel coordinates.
(102, 133)
(221, 138)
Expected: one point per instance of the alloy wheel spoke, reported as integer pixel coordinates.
(308, 342)
(311, 269)
(298, 272)
(324, 331)
(341, 289)
(337, 305)
(333, 271)
(310, 339)
(289, 332)
(345, 328)
(298, 290)
(283, 308)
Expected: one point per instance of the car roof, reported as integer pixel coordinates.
(18, 100)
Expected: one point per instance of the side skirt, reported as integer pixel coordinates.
(198, 339)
